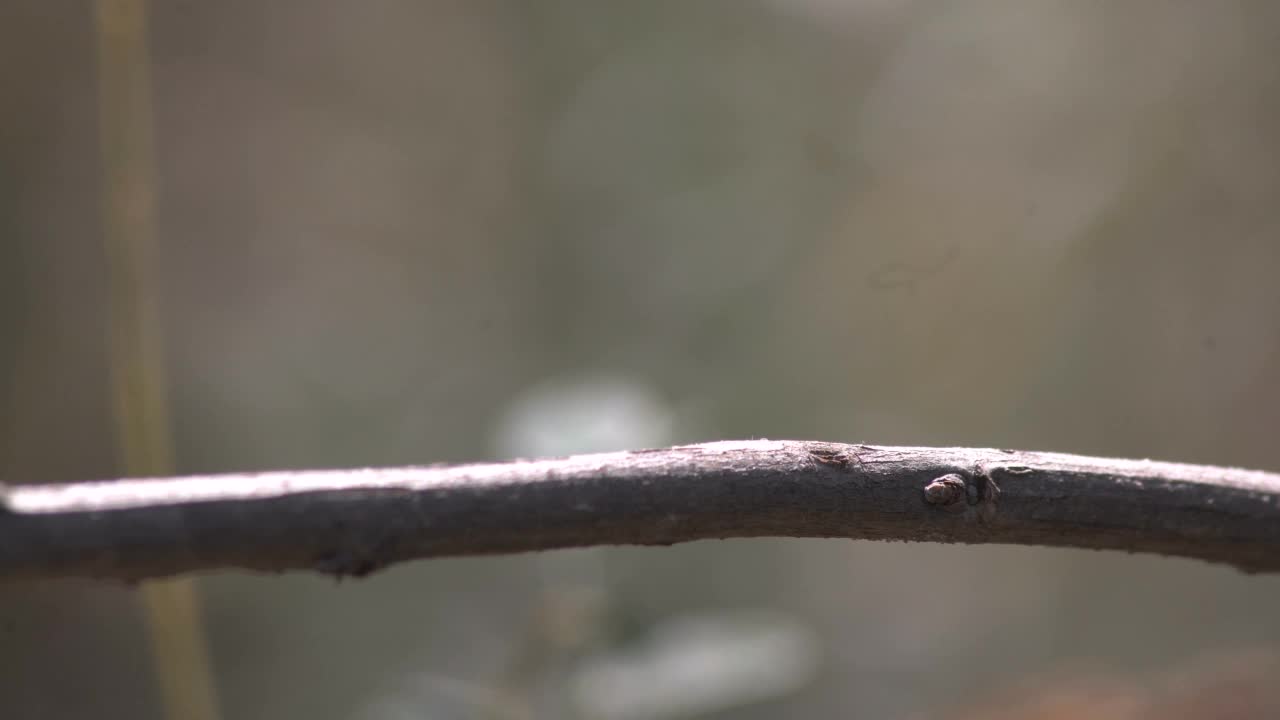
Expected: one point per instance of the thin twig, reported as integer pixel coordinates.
(352, 522)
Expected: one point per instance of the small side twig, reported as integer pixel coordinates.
(352, 522)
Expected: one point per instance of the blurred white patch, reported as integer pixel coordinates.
(583, 414)
(696, 665)
(840, 10)
(434, 695)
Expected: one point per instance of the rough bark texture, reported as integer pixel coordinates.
(352, 522)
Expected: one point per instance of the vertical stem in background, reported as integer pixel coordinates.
(124, 115)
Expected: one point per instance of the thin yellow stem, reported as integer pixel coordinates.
(171, 607)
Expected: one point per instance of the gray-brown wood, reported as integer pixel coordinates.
(352, 522)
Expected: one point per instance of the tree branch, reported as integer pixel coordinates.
(352, 522)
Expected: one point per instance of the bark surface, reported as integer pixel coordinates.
(353, 522)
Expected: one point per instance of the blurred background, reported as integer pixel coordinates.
(404, 231)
